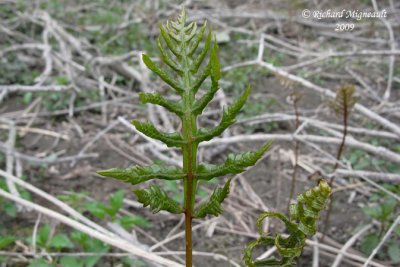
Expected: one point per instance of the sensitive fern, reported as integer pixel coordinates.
(180, 50)
(301, 223)
(186, 70)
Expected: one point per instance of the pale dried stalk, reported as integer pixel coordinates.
(53, 200)
(12, 134)
(349, 243)
(350, 142)
(307, 84)
(285, 117)
(111, 240)
(392, 58)
(384, 239)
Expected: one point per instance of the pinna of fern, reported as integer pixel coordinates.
(187, 69)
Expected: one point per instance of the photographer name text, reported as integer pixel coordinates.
(344, 14)
(349, 14)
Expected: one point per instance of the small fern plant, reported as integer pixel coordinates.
(188, 68)
(342, 105)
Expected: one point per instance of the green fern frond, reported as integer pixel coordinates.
(302, 223)
(182, 17)
(200, 79)
(228, 118)
(197, 39)
(191, 31)
(168, 60)
(213, 204)
(157, 199)
(308, 206)
(138, 174)
(234, 164)
(157, 99)
(162, 74)
(170, 139)
(200, 105)
(170, 44)
(214, 63)
(200, 58)
(188, 66)
(215, 74)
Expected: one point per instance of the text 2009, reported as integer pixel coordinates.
(344, 27)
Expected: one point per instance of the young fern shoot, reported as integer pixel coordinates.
(180, 50)
(342, 105)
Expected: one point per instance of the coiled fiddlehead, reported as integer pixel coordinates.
(302, 223)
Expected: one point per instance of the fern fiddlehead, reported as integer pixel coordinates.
(301, 223)
(180, 50)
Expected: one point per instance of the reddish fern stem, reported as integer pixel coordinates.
(341, 147)
(338, 156)
(188, 213)
(296, 152)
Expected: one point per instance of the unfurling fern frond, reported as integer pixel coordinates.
(213, 205)
(345, 100)
(301, 223)
(157, 199)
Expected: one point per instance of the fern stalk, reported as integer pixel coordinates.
(342, 105)
(342, 143)
(295, 98)
(189, 152)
